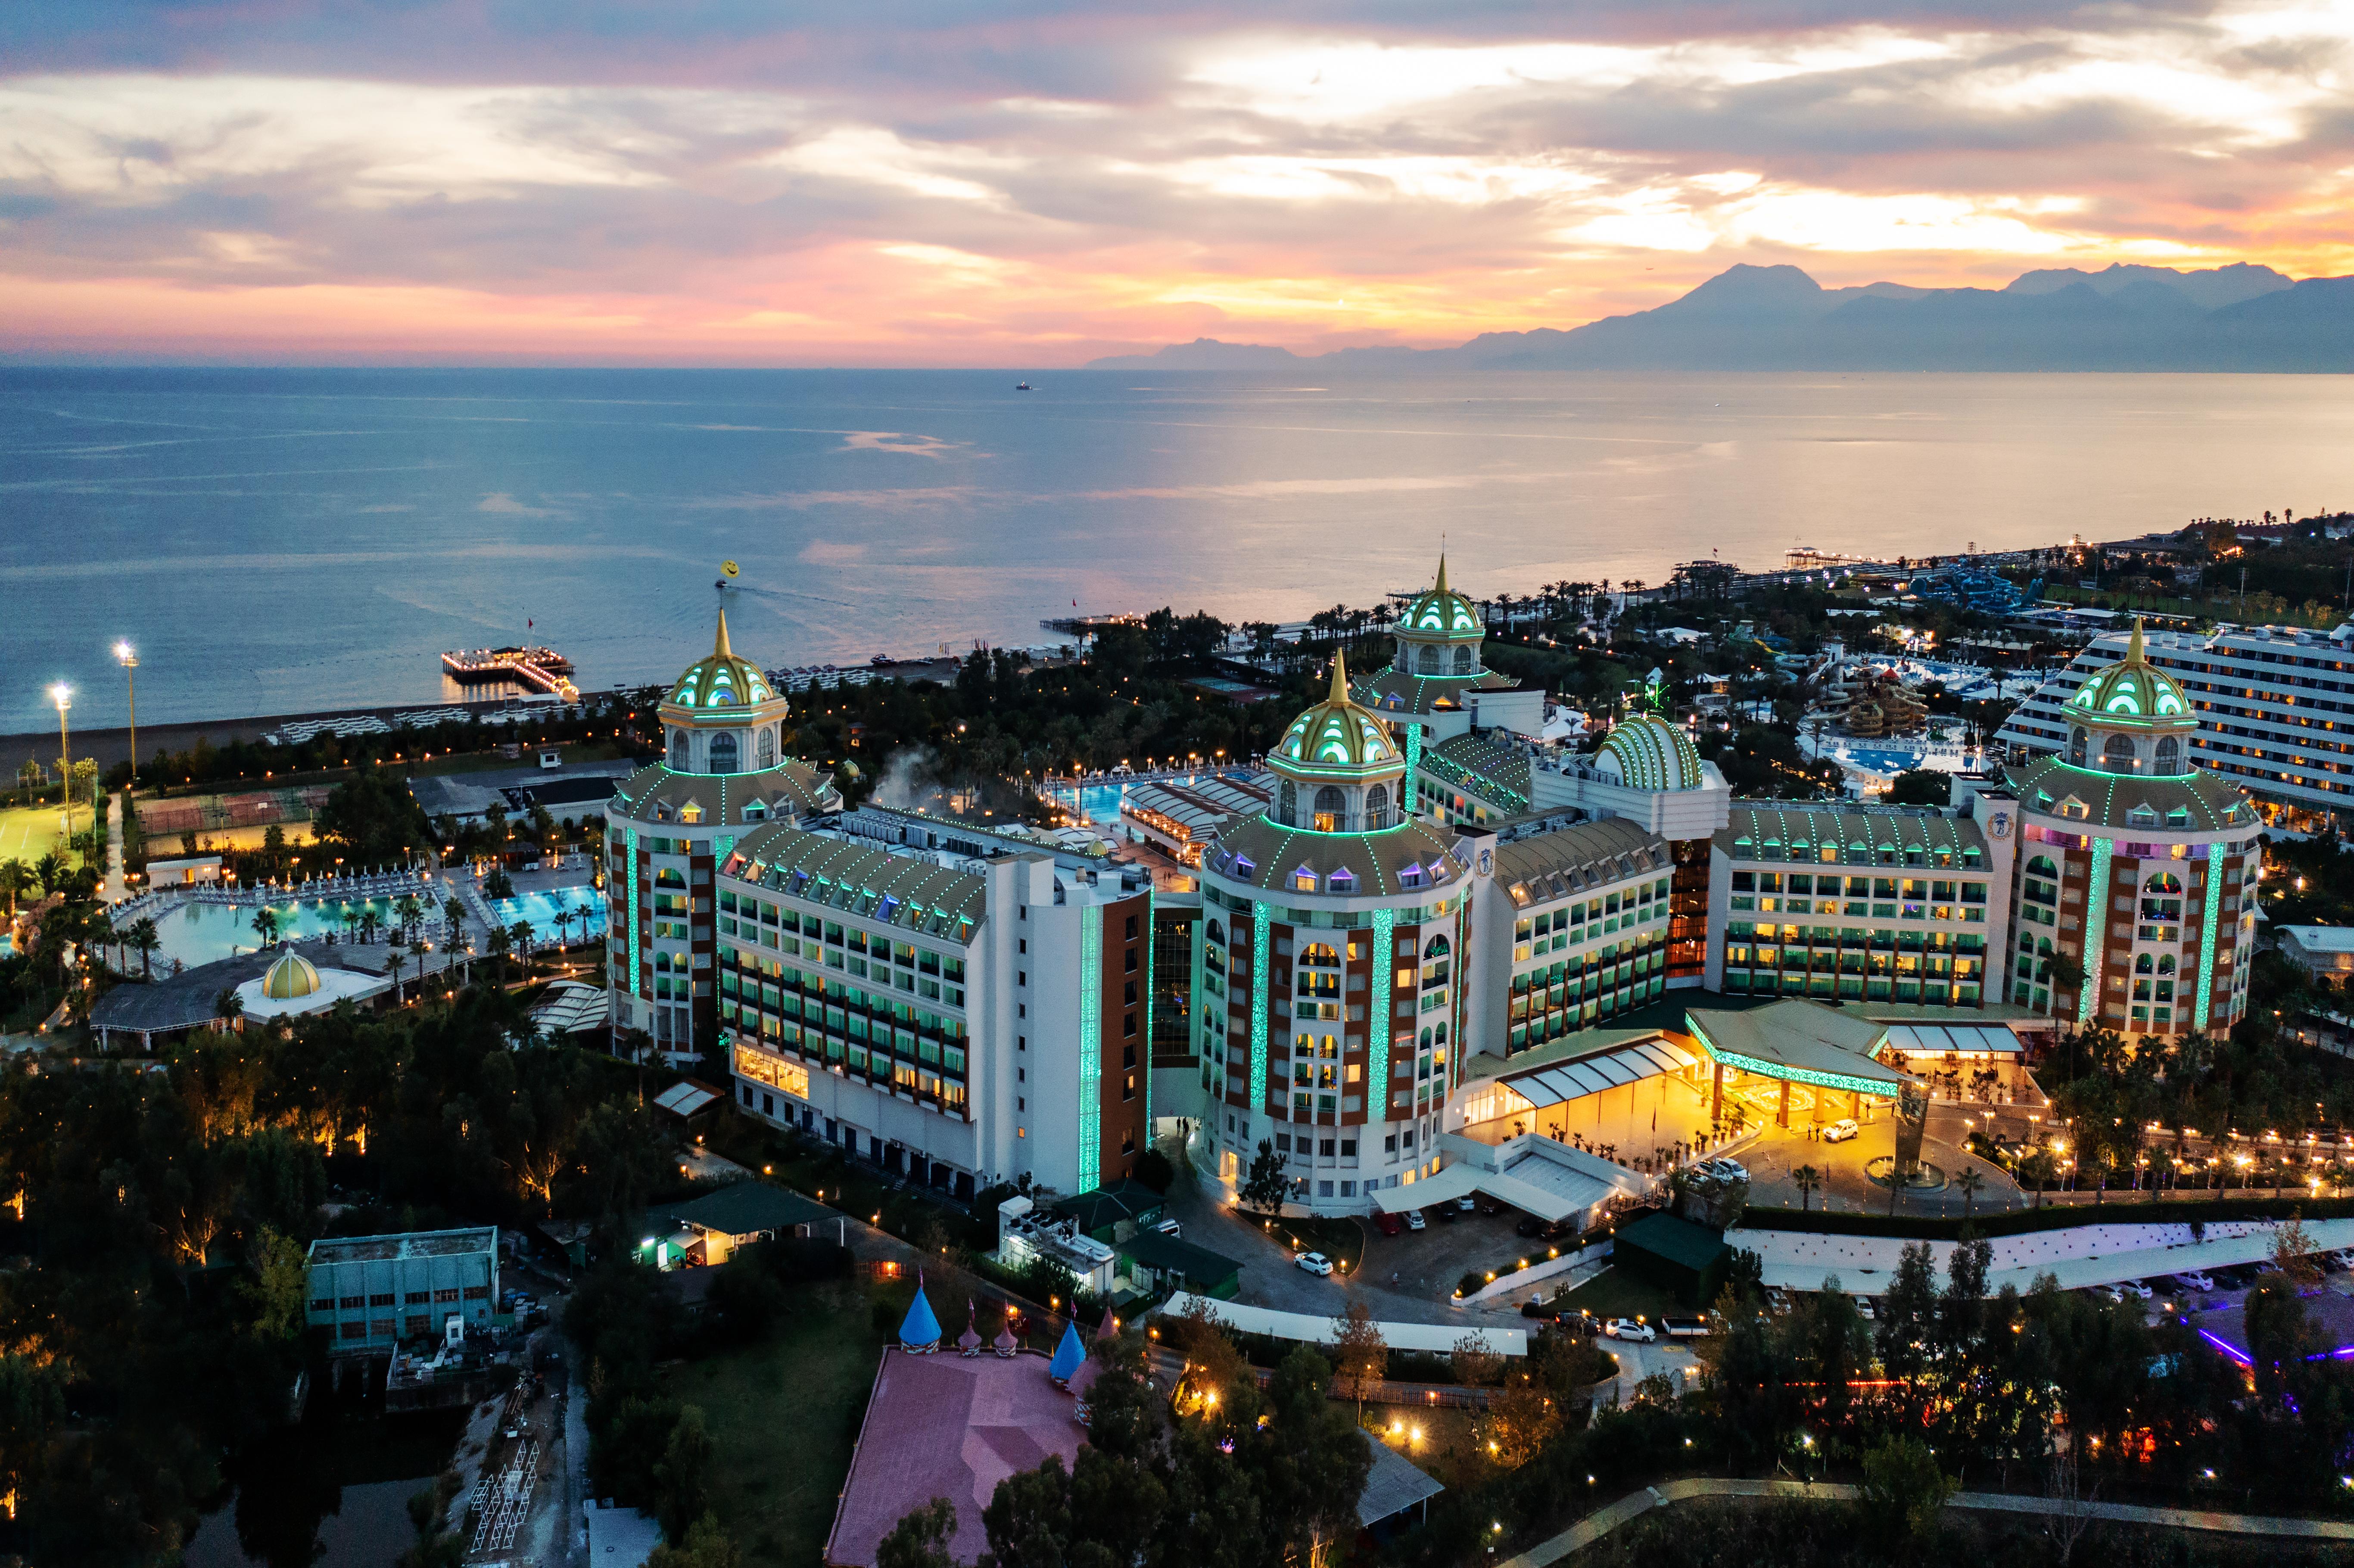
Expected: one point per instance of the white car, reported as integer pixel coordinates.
(1842, 1130)
(1314, 1262)
(2137, 1289)
(1628, 1328)
(2342, 1259)
(2196, 1280)
(1863, 1308)
(2110, 1294)
(1414, 1222)
(1730, 1170)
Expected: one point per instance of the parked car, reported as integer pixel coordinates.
(2109, 1293)
(1863, 1308)
(1465, 1205)
(2342, 1259)
(1685, 1328)
(1389, 1225)
(1544, 1229)
(1170, 1228)
(1414, 1220)
(1446, 1213)
(2195, 1280)
(1314, 1262)
(1726, 1170)
(1629, 1328)
(1488, 1205)
(1842, 1130)
(2138, 1289)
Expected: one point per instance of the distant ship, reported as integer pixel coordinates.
(1022, 386)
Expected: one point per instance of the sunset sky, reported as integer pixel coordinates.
(892, 183)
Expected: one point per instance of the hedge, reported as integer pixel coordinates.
(2026, 1222)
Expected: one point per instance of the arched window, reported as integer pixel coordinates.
(723, 752)
(1321, 955)
(2076, 746)
(768, 749)
(2042, 866)
(1462, 661)
(1286, 810)
(2170, 756)
(1331, 810)
(1218, 932)
(2117, 754)
(669, 877)
(2164, 882)
(678, 752)
(1436, 949)
(2166, 963)
(2141, 964)
(1377, 807)
(1427, 663)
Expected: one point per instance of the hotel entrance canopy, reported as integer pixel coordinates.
(1800, 1043)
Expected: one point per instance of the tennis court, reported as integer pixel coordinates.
(27, 832)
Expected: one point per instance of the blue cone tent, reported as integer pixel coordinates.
(920, 1330)
(1069, 1356)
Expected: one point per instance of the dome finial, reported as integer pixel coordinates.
(1341, 674)
(1442, 572)
(719, 644)
(2133, 648)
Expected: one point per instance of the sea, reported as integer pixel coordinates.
(280, 541)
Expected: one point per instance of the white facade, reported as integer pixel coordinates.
(2275, 707)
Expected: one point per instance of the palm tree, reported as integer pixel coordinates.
(228, 1007)
(520, 933)
(265, 924)
(410, 911)
(502, 943)
(397, 951)
(15, 877)
(1807, 1180)
(143, 940)
(1970, 1181)
(370, 922)
(350, 921)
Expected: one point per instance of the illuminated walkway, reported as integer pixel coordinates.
(1601, 1523)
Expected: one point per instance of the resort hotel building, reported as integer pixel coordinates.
(2136, 864)
(670, 825)
(2277, 707)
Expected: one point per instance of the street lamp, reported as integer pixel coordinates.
(128, 657)
(62, 694)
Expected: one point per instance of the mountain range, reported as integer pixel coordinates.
(2240, 317)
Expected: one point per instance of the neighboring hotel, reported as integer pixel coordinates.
(1415, 939)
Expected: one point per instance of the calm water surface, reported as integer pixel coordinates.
(284, 541)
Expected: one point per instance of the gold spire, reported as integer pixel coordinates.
(1341, 665)
(719, 647)
(1442, 574)
(2133, 648)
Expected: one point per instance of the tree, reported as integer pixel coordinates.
(1921, 787)
(1474, 1364)
(276, 1291)
(373, 819)
(265, 925)
(15, 877)
(681, 1476)
(1360, 1356)
(2067, 974)
(2294, 1253)
(1264, 1188)
(502, 943)
(227, 1006)
(920, 1540)
(707, 1546)
(1807, 1180)
(144, 940)
(1970, 1181)
(1902, 1488)
(2037, 1169)
(1519, 1416)
(396, 954)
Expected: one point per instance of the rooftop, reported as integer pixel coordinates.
(1546, 866)
(862, 879)
(947, 1426)
(1800, 1039)
(2320, 938)
(414, 1243)
(1393, 1484)
(742, 1208)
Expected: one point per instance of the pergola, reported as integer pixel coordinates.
(1797, 1041)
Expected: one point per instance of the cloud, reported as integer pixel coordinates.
(1035, 184)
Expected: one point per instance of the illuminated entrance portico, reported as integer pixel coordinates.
(1797, 1052)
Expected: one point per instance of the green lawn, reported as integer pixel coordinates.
(26, 833)
(1611, 1294)
(783, 1416)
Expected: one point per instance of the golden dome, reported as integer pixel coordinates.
(291, 978)
(1441, 612)
(1336, 737)
(719, 680)
(2132, 694)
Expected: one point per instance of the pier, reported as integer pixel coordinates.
(541, 669)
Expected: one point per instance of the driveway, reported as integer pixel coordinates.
(1776, 1153)
(1425, 1266)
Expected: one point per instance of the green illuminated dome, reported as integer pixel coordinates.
(1647, 752)
(291, 978)
(2132, 694)
(1336, 738)
(720, 680)
(1441, 612)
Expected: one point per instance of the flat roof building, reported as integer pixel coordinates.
(370, 1293)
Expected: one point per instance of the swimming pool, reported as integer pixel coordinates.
(201, 933)
(584, 905)
(1100, 803)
